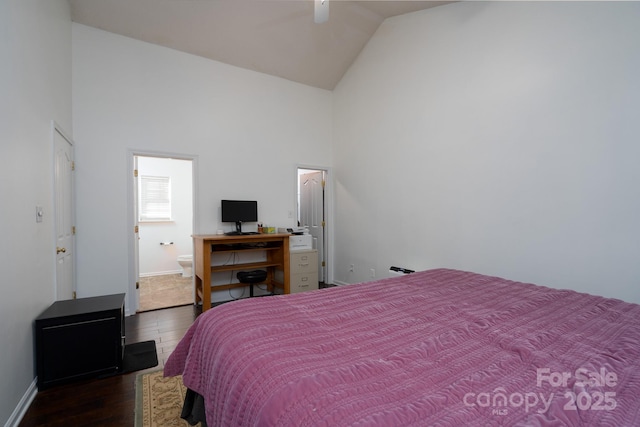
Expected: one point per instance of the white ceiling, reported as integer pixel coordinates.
(276, 37)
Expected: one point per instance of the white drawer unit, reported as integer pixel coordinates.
(304, 262)
(303, 268)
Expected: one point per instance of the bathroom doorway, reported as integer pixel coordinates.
(164, 206)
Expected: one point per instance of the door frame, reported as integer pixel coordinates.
(133, 294)
(328, 213)
(56, 128)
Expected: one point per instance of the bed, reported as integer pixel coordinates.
(439, 347)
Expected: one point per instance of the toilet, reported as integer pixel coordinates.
(186, 262)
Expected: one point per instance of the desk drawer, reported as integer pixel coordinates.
(303, 282)
(304, 262)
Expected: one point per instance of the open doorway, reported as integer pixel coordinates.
(164, 217)
(313, 213)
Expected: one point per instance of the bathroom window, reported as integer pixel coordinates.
(155, 198)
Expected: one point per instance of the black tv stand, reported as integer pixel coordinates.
(78, 339)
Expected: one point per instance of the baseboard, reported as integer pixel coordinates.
(23, 405)
(339, 283)
(161, 273)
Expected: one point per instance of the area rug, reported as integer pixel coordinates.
(159, 400)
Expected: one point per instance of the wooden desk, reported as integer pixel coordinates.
(276, 247)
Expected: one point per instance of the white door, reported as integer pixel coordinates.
(136, 237)
(311, 187)
(63, 205)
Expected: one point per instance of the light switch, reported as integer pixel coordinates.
(39, 213)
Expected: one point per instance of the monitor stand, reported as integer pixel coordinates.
(238, 231)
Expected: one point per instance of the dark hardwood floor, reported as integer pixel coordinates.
(111, 401)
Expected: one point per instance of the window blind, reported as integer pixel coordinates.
(155, 198)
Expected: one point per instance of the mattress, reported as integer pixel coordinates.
(439, 347)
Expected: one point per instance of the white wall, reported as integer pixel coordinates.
(35, 88)
(497, 137)
(247, 129)
(156, 259)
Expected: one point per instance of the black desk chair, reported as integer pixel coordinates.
(251, 278)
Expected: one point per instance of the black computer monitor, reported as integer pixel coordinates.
(239, 211)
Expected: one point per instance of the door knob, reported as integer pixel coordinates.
(63, 250)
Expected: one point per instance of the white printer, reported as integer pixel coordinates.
(299, 240)
(302, 242)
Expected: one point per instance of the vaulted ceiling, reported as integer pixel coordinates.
(277, 37)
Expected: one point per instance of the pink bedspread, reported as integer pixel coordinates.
(440, 347)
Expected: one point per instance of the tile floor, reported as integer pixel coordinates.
(165, 291)
(170, 290)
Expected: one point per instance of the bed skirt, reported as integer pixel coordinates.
(193, 409)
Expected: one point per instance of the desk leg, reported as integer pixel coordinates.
(197, 289)
(202, 272)
(286, 265)
(206, 294)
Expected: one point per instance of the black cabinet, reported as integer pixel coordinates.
(79, 338)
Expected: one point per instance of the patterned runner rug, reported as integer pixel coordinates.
(159, 400)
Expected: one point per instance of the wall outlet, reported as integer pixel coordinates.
(351, 268)
(373, 273)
